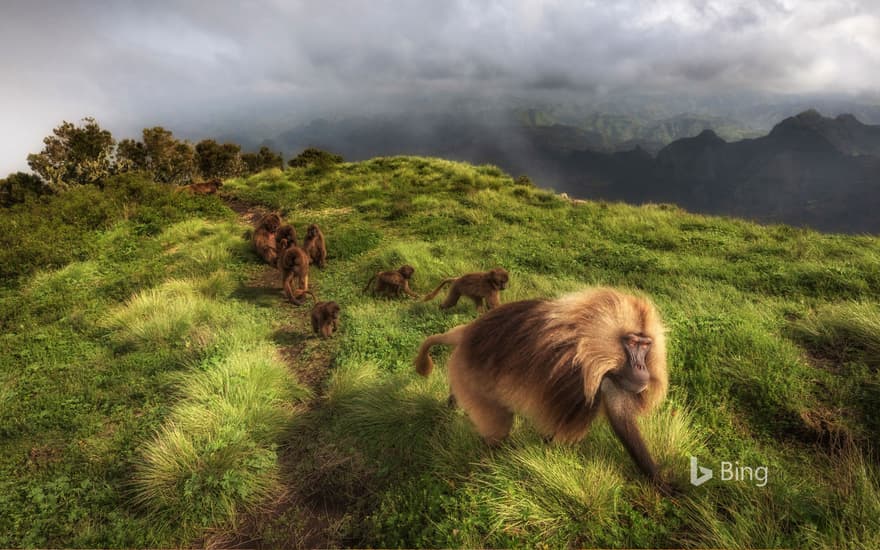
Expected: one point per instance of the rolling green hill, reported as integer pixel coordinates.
(160, 376)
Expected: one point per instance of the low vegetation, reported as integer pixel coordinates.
(142, 380)
(140, 402)
(752, 313)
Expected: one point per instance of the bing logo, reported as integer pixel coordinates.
(730, 471)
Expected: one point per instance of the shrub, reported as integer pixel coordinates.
(56, 229)
(19, 187)
(316, 158)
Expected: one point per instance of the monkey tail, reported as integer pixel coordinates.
(437, 290)
(373, 278)
(424, 364)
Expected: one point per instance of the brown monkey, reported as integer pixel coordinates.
(264, 237)
(204, 188)
(294, 264)
(325, 318)
(314, 245)
(391, 283)
(285, 237)
(476, 286)
(560, 363)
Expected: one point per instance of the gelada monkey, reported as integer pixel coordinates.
(392, 283)
(264, 237)
(560, 363)
(476, 286)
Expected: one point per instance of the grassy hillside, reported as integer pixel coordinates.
(140, 401)
(150, 380)
(771, 351)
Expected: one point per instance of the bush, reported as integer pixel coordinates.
(19, 187)
(56, 229)
(315, 158)
(264, 159)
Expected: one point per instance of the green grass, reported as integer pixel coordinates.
(140, 402)
(771, 348)
(141, 385)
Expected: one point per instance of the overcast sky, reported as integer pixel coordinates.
(210, 65)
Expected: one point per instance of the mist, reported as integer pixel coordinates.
(257, 70)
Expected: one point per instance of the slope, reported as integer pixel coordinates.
(157, 374)
(771, 344)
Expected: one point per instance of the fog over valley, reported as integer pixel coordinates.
(520, 84)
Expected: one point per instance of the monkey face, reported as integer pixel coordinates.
(633, 374)
(312, 231)
(272, 222)
(499, 278)
(334, 310)
(406, 271)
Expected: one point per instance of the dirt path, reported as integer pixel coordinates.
(300, 517)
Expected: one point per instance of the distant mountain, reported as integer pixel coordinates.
(844, 132)
(621, 132)
(521, 140)
(428, 133)
(808, 170)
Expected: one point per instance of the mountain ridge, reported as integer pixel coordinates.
(808, 170)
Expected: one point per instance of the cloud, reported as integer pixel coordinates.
(197, 67)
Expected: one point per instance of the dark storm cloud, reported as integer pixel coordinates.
(205, 67)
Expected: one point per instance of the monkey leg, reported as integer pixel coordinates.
(385, 290)
(478, 301)
(288, 290)
(491, 419)
(451, 299)
(409, 292)
(620, 408)
(492, 300)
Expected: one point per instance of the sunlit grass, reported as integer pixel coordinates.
(844, 328)
(145, 365)
(216, 456)
(727, 289)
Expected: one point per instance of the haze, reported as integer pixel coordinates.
(206, 70)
